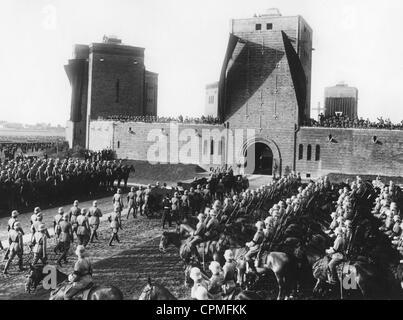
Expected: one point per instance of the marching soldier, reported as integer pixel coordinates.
(73, 214)
(33, 217)
(83, 228)
(131, 203)
(39, 244)
(65, 238)
(15, 238)
(10, 226)
(139, 201)
(57, 219)
(117, 201)
(114, 220)
(95, 214)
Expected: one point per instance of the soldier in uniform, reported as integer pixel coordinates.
(185, 204)
(139, 201)
(198, 281)
(175, 207)
(10, 226)
(114, 220)
(336, 253)
(83, 229)
(254, 245)
(166, 213)
(229, 272)
(212, 225)
(131, 203)
(198, 234)
(57, 219)
(35, 226)
(81, 278)
(15, 238)
(73, 214)
(94, 214)
(33, 216)
(39, 244)
(65, 236)
(217, 279)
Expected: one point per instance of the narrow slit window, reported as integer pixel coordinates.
(212, 147)
(317, 153)
(309, 152)
(300, 152)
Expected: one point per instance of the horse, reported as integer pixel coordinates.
(152, 291)
(95, 292)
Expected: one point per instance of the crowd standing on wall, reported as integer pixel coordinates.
(158, 119)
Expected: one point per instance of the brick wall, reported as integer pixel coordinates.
(353, 151)
(117, 80)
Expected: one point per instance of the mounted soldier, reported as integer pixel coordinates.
(254, 245)
(81, 278)
(337, 254)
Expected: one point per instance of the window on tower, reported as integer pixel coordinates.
(258, 26)
(269, 26)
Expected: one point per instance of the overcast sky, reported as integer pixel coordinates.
(185, 40)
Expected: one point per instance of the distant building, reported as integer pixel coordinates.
(211, 104)
(107, 79)
(341, 100)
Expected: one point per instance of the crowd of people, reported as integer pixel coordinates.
(218, 206)
(28, 182)
(102, 155)
(159, 119)
(10, 149)
(342, 121)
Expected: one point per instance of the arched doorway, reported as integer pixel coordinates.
(260, 156)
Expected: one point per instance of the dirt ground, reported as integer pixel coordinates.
(126, 265)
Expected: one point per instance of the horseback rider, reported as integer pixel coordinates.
(198, 281)
(131, 203)
(16, 247)
(81, 278)
(254, 245)
(217, 279)
(65, 236)
(94, 214)
(337, 254)
(212, 225)
(229, 272)
(199, 233)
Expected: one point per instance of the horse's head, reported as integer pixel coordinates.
(34, 277)
(251, 279)
(148, 292)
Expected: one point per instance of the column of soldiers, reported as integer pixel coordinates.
(28, 182)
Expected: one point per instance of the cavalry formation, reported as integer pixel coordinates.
(286, 239)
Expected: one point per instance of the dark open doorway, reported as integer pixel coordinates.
(261, 156)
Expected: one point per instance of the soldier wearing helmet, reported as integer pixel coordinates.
(199, 233)
(114, 224)
(16, 248)
(81, 278)
(229, 272)
(199, 284)
(39, 244)
(65, 237)
(336, 252)
(131, 203)
(83, 229)
(94, 216)
(175, 207)
(217, 279)
(255, 244)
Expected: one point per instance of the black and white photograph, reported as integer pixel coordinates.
(208, 150)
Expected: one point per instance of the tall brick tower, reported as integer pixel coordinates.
(108, 78)
(265, 82)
